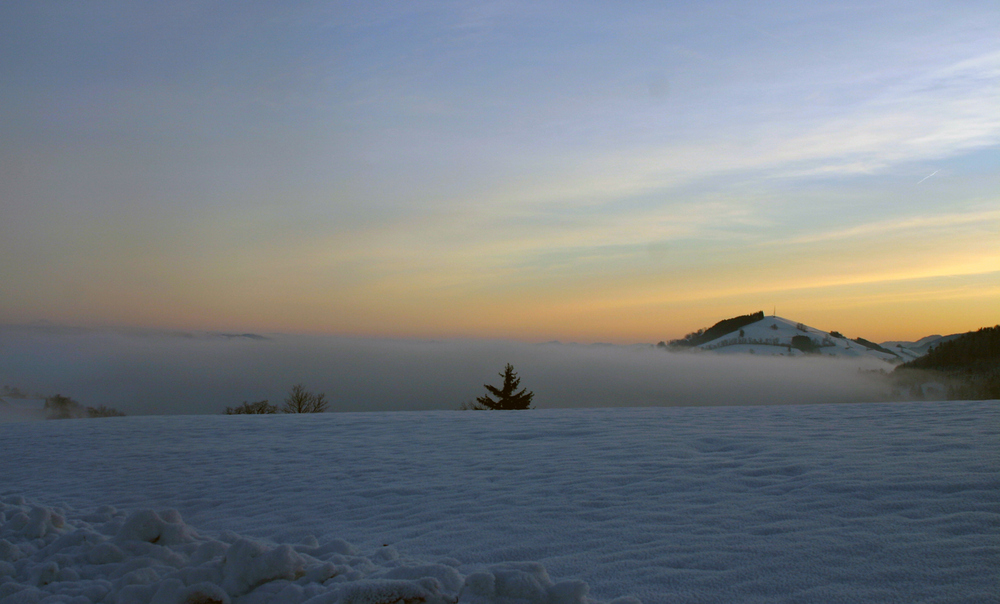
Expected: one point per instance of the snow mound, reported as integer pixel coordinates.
(51, 554)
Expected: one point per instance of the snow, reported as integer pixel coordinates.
(795, 503)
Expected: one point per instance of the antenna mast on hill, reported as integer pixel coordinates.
(774, 313)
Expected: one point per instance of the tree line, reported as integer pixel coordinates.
(723, 327)
(508, 396)
(299, 400)
(63, 407)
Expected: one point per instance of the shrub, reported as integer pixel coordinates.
(258, 408)
(62, 407)
(803, 343)
(103, 411)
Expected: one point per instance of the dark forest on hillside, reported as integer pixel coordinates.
(969, 363)
(697, 338)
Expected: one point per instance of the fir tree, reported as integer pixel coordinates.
(506, 397)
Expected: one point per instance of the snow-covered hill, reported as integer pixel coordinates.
(779, 336)
(914, 350)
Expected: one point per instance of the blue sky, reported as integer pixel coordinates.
(594, 171)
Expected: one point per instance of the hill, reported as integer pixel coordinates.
(969, 364)
(976, 350)
(914, 350)
(778, 336)
(756, 334)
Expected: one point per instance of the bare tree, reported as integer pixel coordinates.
(302, 401)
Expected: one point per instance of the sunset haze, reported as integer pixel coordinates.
(586, 171)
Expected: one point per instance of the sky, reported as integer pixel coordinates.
(587, 171)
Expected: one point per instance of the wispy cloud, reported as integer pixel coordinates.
(932, 115)
(910, 225)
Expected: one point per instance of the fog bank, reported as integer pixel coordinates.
(171, 373)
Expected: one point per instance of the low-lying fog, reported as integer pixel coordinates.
(169, 373)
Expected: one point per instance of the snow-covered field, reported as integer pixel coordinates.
(796, 503)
